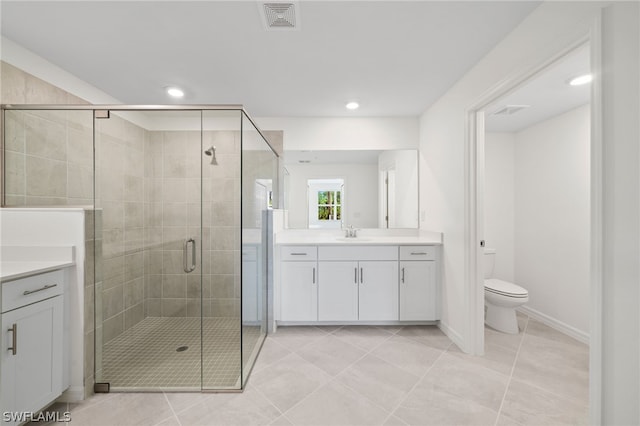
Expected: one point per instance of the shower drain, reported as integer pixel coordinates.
(182, 348)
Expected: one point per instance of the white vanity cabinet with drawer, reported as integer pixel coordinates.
(298, 286)
(32, 342)
(418, 287)
(359, 283)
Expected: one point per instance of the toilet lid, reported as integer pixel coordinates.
(505, 288)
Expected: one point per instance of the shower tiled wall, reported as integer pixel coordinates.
(119, 197)
(173, 213)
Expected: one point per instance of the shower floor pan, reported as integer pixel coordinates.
(166, 354)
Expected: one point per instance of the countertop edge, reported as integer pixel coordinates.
(33, 268)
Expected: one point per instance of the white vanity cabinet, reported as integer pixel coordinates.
(32, 343)
(418, 287)
(298, 284)
(358, 283)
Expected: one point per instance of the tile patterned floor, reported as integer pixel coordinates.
(146, 355)
(379, 376)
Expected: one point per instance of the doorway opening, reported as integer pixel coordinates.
(531, 186)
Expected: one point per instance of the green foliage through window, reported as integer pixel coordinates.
(329, 205)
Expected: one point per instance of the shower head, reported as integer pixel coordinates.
(212, 153)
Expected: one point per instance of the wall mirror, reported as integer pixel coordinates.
(363, 189)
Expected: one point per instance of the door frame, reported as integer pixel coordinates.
(474, 198)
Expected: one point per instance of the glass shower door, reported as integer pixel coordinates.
(221, 315)
(148, 168)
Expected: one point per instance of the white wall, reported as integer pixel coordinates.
(537, 216)
(499, 201)
(549, 28)
(621, 215)
(552, 219)
(339, 133)
(360, 192)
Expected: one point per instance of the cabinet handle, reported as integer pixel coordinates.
(355, 275)
(422, 253)
(402, 274)
(314, 275)
(46, 287)
(361, 276)
(298, 254)
(14, 340)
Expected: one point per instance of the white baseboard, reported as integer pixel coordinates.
(453, 335)
(72, 394)
(570, 331)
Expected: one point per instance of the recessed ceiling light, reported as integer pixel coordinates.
(175, 92)
(580, 80)
(352, 105)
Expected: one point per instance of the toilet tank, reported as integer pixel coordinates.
(489, 262)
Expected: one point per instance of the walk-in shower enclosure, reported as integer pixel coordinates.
(175, 288)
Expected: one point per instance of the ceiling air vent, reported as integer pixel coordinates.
(510, 109)
(280, 15)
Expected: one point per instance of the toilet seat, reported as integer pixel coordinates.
(505, 288)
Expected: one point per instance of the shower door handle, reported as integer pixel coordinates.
(185, 255)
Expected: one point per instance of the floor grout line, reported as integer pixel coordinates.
(420, 379)
(513, 369)
(332, 378)
(175, 415)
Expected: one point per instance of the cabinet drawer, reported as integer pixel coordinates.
(299, 252)
(31, 289)
(418, 252)
(358, 252)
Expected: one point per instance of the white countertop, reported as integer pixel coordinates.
(312, 237)
(13, 270)
(22, 261)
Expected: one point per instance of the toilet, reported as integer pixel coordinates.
(501, 298)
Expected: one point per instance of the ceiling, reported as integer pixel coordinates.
(393, 57)
(546, 95)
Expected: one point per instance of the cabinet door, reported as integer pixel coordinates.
(338, 291)
(378, 291)
(32, 377)
(298, 291)
(418, 291)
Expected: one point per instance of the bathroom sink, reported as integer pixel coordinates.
(353, 239)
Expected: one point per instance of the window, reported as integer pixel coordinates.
(329, 207)
(326, 201)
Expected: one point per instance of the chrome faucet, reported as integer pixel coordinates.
(350, 232)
